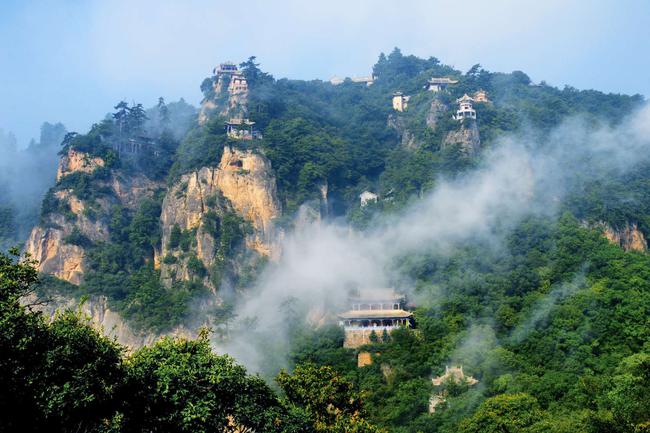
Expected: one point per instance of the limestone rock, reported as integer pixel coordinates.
(435, 110)
(467, 137)
(75, 161)
(47, 242)
(103, 318)
(407, 138)
(242, 183)
(629, 237)
(246, 179)
(54, 256)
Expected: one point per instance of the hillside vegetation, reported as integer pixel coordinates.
(554, 322)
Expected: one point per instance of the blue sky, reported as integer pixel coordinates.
(71, 61)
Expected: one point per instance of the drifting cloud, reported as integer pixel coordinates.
(518, 178)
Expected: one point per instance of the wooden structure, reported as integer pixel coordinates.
(242, 129)
(376, 310)
(437, 84)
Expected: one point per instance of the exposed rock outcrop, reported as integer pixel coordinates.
(629, 237)
(226, 100)
(75, 161)
(242, 183)
(407, 138)
(102, 318)
(246, 179)
(467, 137)
(50, 243)
(436, 109)
(54, 255)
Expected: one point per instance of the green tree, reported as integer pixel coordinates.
(327, 398)
(181, 386)
(505, 413)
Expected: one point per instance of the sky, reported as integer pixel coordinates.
(72, 61)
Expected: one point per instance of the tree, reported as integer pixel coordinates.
(136, 118)
(630, 394)
(253, 73)
(163, 111)
(180, 385)
(505, 413)
(326, 397)
(121, 116)
(62, 375)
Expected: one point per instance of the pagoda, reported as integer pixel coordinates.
(465, 108)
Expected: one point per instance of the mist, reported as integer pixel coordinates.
(25, 175)
(519, 177)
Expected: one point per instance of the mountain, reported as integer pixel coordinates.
(512, 215)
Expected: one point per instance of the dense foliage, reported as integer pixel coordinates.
(554, 324)
(65, 376)
(555, 329)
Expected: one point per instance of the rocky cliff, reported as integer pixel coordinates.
(75, 161)
(198, 202)
(467, 137)
(629, 237)
(246, 179)
(224, 100)
(436, 110)
(406, 137)
(99, 314)
(58, 242)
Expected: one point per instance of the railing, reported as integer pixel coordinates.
(371, 328)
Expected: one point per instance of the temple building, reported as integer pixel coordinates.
(437, 84)
(465, 108)
(400, 101)
(367, 197)
(241, 129)
(375, 311)
(453, 374)
(367, 80)
(480, 96)
(238, 84)
(225, 68)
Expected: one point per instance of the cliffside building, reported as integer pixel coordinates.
(242, 129)
(438, 84)
(480, 96)
(225, 68)
(367, 80)
(238, 84)
(375, 311)
(367, 197)
(453, 374)
(465, 108)
(400, 101)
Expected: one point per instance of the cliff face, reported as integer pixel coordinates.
(51, 243)
(103, 318)
(406, 137)
(467, 137)
(54, 255)
(630, 238)
(436, 109)
(242, 184)
(246, 179)
(226, 101)
(77, 162)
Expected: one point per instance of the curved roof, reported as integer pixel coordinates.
(375, 295)
(375, 314)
